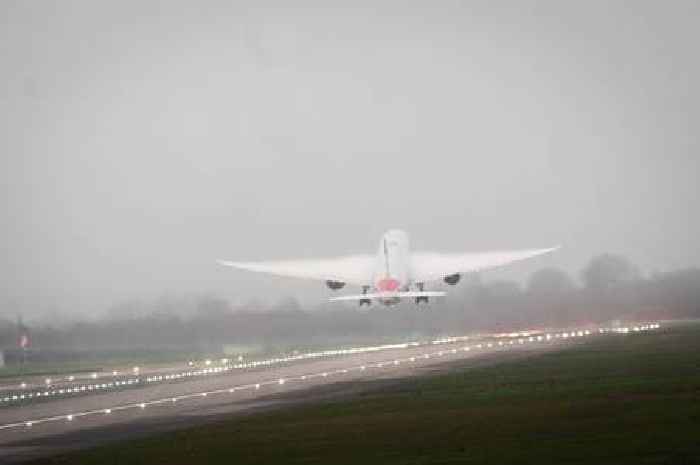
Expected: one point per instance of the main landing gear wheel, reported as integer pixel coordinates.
(420, 299)
(367, 302)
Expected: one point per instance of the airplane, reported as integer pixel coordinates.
(393, 273)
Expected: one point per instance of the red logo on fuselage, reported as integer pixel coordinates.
(388, 285)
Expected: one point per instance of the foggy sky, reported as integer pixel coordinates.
(141, 141)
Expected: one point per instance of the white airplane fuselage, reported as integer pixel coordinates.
(392, 270)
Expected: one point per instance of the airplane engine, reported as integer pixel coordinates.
(335, 285)
(453, 279)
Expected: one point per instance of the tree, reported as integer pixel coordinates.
(608, 271)
(550, 282)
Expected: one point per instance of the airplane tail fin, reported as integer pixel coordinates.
(386, 295)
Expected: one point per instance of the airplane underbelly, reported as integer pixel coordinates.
(388, 285)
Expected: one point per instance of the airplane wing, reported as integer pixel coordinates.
(355, 269)
(426, 267)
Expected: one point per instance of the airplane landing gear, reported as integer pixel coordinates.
(367, 302)
(420, 299)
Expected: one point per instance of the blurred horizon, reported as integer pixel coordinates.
(602, 273)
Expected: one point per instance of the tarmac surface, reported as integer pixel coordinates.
(50, 425)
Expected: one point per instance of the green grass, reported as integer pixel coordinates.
(615, 400)
(90, 362)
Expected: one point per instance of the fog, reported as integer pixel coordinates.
(141, 141)
(613, 293)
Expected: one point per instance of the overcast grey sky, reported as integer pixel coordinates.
(140, 141)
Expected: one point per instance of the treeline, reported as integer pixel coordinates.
(609, 288)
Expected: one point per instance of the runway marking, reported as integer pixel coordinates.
(30, 423)
(14, 397)
(47, 392)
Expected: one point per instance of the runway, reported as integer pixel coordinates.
(179, 396)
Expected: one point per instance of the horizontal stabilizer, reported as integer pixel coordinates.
(389, 295)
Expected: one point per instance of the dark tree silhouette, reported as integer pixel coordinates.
(608, 271)
(550, 281)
